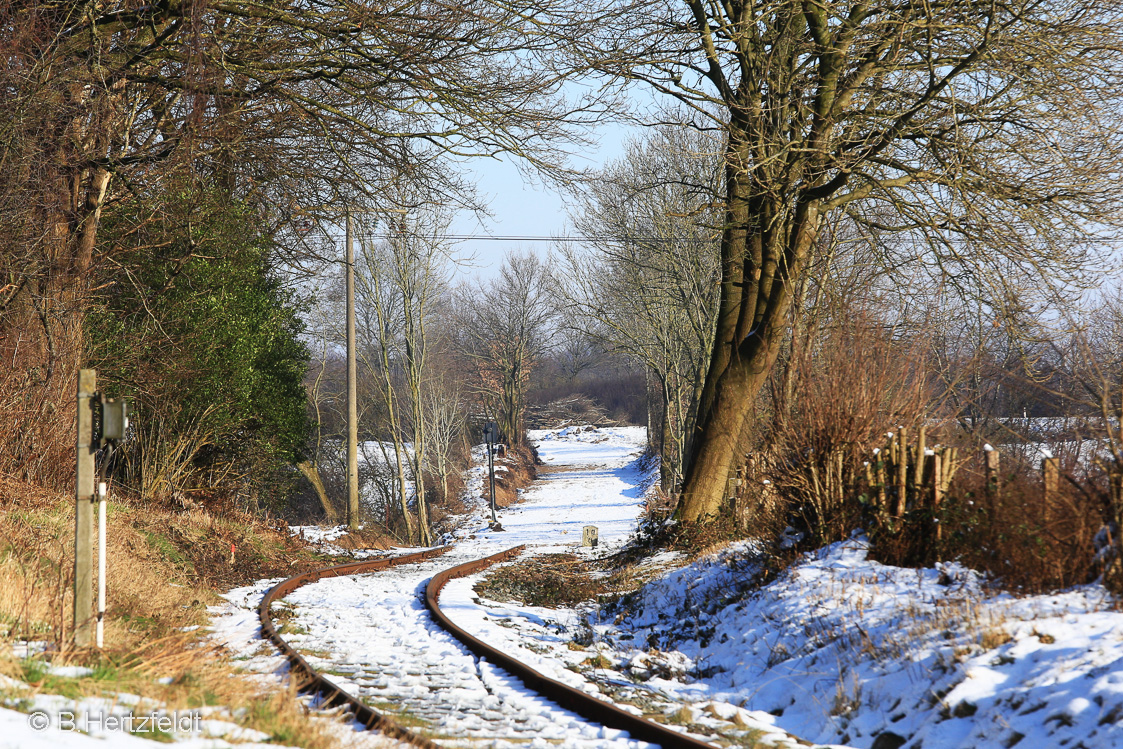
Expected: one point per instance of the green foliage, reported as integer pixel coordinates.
(192, 325)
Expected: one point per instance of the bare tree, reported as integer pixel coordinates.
(318, 401)
(645, 286)
(506, 325)
(281, 107)
(446, 415)
(984, 132)
(401, 281)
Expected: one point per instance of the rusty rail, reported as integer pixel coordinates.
(585, 705)
(307, 678)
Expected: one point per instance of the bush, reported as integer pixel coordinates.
(1028, 541)
(205, 340)
(854, 385)
(852, 451)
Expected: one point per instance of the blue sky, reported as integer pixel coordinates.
(521, 208)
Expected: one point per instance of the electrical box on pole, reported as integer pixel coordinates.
(102, 423)
(114, 420)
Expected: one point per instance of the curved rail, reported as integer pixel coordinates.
(585, 705)
(307, 678)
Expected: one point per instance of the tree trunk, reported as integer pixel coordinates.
(716, 445)
(764, 248)
(424, 533)
(312, 472)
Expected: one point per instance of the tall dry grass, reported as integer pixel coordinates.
(153, 593)
(164, 568)
(37, 395)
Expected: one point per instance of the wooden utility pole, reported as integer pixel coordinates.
(85, 451)
(352, 391)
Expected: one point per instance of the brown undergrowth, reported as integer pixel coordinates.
(545, 580)
(555, 580)
(515, 469)
(164, 568)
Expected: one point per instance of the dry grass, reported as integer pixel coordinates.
(37, 374)
(545, 580)
(554, 580)
(164, 568)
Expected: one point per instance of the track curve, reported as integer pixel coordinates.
(587, 706)
(310, 680)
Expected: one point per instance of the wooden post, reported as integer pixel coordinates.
(1050, 473)
(948, 469)
(992, 467)
(921, 449)
(85, 451)
(902, 471)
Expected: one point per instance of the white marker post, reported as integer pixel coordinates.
(103, 508)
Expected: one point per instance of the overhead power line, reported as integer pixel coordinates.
(613, 238)
(531, 238)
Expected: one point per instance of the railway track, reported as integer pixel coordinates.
(309, 680)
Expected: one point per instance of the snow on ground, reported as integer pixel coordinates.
(30, 719)
(841, 649)
(595, 480)
(43, 721)
(838, 649)
(372, 631)
(372, 634)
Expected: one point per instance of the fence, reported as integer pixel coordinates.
(899, 476)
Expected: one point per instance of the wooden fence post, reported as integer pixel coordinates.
(1051, 476)
(1050, 472)
(993, 460)
(921, 450)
